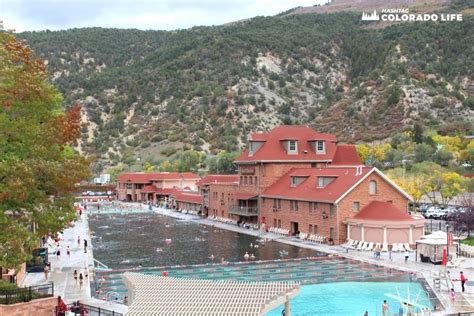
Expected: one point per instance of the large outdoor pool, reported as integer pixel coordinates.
(352, 298)
(329, 285)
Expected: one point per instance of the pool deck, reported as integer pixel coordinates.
(463, 303)
(62, 269)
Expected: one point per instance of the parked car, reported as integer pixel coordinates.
(435, 213)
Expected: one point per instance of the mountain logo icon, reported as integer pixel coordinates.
(370, 16)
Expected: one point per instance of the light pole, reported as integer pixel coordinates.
(447, 242)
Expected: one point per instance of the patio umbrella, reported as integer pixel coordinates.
(445, 258)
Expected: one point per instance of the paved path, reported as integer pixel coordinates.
(63, 266)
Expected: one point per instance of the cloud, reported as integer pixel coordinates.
(142, 14)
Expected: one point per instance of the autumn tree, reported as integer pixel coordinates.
(38, 166)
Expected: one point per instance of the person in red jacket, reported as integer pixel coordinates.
(61, 308)
(463, 280)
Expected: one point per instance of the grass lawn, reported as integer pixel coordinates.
(469, 241)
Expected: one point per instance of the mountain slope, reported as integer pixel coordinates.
(152, 92)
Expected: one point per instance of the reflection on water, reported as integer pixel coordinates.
(124, 241)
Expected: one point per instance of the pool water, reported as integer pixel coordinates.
(351, 298)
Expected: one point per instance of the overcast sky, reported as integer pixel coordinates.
(29, 15)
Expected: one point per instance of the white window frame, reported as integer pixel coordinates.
(323, 150)
(373, 187)
(295, 150)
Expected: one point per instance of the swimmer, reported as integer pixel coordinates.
(211, 257)
(246, 256)
(252, 257)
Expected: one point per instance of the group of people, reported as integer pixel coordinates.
(77, 308)
(81, 276)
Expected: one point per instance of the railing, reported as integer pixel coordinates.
(84, 309)
(243, 210)
(26, 294)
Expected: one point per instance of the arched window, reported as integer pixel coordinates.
(372, 187)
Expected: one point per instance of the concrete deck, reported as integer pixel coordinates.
(63, 266)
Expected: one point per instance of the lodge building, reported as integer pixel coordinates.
(295, 178)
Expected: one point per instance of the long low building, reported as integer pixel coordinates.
(152, 187)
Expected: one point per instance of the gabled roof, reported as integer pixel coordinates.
(345, 179)
(188, 197)
(273, 149)
(346, 155)
(382, 211)
(221, 178)
(144, 177)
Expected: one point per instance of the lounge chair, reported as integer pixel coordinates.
(347, 244)
(407, 247)
(384, 247)
(362, 246)
(370, 246)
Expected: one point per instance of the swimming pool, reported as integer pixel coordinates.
(351, 298)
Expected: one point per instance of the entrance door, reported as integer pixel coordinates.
(294, 227)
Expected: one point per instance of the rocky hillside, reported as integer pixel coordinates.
(154, 93)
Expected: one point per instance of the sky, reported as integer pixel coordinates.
(36, 15)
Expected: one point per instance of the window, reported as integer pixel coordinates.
(275, 222)
(315, 229)
(293, 181)
(222, 196)
(129, 186)
(296, 205)
(279, 223)
(245, 180)
(331, 233)
(293, 205)
(250, 180)
(292, 146)
(274, 203)
(372, 187)
(324, 181)
(255, 180)
(279, 203)
(263, 201)
(356, 206)
(241, 180)
(313, 206)
(310, 229)
(332, 210)
(320, 147)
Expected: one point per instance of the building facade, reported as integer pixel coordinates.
(298, 179)
(204, 188)
(152, 187)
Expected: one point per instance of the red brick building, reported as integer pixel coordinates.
(296, 178)
(144, 187)
(204, 188)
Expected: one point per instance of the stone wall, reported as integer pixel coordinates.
(39, 307)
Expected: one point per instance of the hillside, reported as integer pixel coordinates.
(150, 93)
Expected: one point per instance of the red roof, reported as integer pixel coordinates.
(308, 190)
(382, 211)
(221, 178)
(149, 188)
(346, 155)
(245, 196)
(273, 149)
(188, 197)
(143, 177)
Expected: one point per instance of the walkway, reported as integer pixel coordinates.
(63, 266)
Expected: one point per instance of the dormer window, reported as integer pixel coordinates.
(294, 182)
(254, 146)
(320, 147)
(324, 181)
(292, 147)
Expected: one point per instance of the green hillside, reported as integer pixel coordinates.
(154, 93)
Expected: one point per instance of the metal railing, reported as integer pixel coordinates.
(243, 210)
(26, 294)
(89, 310)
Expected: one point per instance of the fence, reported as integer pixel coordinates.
(84, 309)
(26, 294)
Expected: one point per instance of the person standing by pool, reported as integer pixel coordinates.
(452, 296)
(61, 308)
(81, 280)
(407, 255)
(85, 245)
(68, 251)
(46, 271)
(75, 276)
(463, 280)
(78, 241)
(385, 308)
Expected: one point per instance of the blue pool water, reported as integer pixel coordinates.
(351, 298)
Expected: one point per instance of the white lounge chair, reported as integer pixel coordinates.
(348, 243)
(370, 246)
(356, 244)
(362, 246)
(407, 247)
(384, 247)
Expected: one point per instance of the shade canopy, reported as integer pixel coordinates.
(159, 295)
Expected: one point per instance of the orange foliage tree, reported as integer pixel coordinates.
(38, 166)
